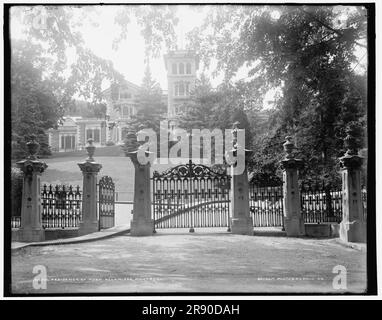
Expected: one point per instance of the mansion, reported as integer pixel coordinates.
(72, 134)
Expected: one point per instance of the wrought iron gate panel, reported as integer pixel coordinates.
(191, 196)
(266, 206)
(61, 206)
(321, 202)
(106, 202)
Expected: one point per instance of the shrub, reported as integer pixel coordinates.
(110, 143)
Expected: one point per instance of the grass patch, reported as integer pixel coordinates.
(65, 170)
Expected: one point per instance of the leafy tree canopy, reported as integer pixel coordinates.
(308, 52)
(150, 108)
(51, 64)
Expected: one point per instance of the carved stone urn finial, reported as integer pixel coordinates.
(288, 147)
(350, 141)
(33, 147)
(90, 148)
(351, 159)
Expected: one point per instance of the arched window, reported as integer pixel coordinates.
(181, 89)
(188, 68)
(174, 69)
(181, 68)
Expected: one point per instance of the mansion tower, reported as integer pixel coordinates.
(181, 69)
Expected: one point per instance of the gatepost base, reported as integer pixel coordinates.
(31, 235)
(354, 231)
(88, 227)
(242, 226)
(142, 228)
(294, 227)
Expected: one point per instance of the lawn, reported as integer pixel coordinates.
(63, 169)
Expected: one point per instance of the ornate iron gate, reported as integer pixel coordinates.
(191, 196)
(266, 205)
(106, 203)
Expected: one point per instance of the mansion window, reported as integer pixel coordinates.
(181, 89)
(93, 134)
(127, 111)
(178, 109)
(181, 68)
(68, 142)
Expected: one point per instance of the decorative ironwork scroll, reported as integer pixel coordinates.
(106, 202)
(61, 206)
(321, 202)
(191, 196)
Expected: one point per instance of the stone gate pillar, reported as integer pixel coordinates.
(90, 169)
(293, 220)
(142, 223)
(353, 225)
(31, 216)
(241, 221)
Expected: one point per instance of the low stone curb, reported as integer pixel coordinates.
(352, 245)
(86, 238)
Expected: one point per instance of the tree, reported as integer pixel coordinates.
(42, 95)
(306, 52)
(86, 109)
(34, 106)
(150, 107)
(219, 108)
(157, 23)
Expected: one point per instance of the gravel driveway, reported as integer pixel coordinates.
(214, 262)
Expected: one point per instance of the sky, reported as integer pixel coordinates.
(129, 58)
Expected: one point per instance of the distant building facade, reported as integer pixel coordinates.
(121, 105)
(73, 133)
(181, 67)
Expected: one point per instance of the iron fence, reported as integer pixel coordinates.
(320, 202)
(266, 205)
(61, 206)
(16, 222)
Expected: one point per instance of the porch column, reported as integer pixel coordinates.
(142, 223)
(293, 220)
(89, 169)
(353, 225)
(31, 220)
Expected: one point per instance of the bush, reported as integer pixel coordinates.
(110, 143)
(16, 191)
